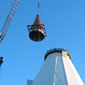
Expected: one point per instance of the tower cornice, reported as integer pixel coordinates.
(59, 50)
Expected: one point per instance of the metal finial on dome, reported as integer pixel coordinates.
(37, 30)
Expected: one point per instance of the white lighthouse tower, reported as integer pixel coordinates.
(57, 70)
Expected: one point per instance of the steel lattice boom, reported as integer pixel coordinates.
(9, 19)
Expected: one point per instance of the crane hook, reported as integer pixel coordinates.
(38, 4)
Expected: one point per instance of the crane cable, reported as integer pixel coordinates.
(6, 7)
(38, 6)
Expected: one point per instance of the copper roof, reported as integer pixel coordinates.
(37, 20)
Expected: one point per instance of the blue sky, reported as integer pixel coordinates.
(65, 27)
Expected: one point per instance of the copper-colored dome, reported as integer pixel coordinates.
(37, 30)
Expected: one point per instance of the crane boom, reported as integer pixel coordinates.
(9, 19)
